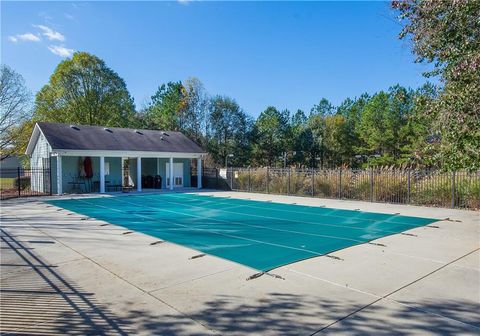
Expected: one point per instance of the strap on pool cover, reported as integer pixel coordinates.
(258, 275)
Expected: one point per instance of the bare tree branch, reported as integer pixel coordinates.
(15, 108)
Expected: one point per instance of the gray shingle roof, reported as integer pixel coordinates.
(64, 136)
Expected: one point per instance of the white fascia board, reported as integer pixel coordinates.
(132, 154)
(37, 131)
(33, 140)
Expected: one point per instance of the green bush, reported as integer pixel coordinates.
(23, 182)
(436, 190)
(467, 192)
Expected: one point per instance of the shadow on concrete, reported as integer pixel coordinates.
(438, 317)
(37, 299)
(286, 314)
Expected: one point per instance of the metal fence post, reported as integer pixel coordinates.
(268, 182)
(340, 183)
(249, 179)
(216, 178)
(371, 184)
(313, 182)
(288, 182)
(231, 178)
(453, 189)
(50, 180)
(18, 181)
(409, 186)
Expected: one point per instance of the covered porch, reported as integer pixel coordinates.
(90, 172)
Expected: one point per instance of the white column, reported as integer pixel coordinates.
(139, 174)
(102, 174)
(199, 173)
(59, 175)
(171, 173)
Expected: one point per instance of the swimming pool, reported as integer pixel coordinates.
(261, 235)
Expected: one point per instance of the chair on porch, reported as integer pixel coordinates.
(157, 182)
(95, 183)
(147, 181)
(114, 186)
(77, 183)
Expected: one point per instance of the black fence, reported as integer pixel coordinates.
(418, 187)
(20, 182)
(211, 179)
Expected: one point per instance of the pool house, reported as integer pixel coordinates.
(103, 159)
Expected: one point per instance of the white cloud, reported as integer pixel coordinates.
(69, 16)
(50, 33)
(184, 2)
(61, 50)
(28, 37)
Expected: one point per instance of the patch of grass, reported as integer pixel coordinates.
(7, 183)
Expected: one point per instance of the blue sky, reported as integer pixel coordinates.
(285, 54)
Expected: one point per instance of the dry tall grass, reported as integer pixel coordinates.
(379, 185)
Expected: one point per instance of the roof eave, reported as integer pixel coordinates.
(125, 153)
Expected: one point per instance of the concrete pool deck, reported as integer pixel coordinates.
(64, 274)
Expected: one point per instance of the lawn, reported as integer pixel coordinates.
(7, 183)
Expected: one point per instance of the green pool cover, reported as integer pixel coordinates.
(261, 235)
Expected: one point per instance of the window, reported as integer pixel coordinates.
(107, 168)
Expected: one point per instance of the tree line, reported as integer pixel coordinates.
(430, 126)
(386, 128)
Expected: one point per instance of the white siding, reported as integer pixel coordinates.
(40, 160)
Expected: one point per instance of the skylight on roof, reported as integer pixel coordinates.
(138, 132)
(107, 129)
(75, 127)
